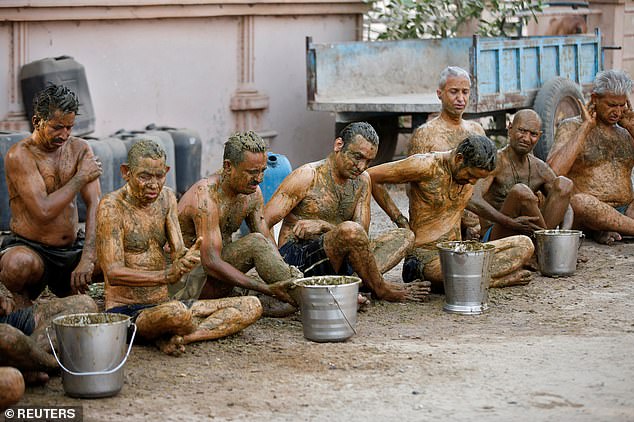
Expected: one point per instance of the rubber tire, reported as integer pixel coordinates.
(554, 94)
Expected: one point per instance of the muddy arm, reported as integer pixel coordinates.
(23, 174)
(569, 142)
(291, 191)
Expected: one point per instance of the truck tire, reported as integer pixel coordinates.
(555, 101)
(387, 128)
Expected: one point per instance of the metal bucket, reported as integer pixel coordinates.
(557, 251)
(92, 352)
(328, 306)
(465, 268)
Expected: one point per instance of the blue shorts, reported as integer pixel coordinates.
(622, 209)
(487, 234)
(311, 259)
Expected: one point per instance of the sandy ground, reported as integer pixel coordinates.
(559, 349)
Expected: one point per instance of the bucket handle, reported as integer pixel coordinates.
(110, 371)
(342, 312)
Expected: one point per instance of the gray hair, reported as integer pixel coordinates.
(452, 72)
(478, 151)
(615, 82)
(363, 129)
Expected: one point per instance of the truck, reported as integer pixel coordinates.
(382, 81)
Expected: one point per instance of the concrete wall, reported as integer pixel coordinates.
(185, 71)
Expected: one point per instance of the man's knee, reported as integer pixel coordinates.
(562, 186)
(19, 266)
(522, 193)
(352, 234)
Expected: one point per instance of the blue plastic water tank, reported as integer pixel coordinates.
(7, 139)
(277, 168)
(188, 152)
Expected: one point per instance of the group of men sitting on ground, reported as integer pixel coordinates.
(177, 270)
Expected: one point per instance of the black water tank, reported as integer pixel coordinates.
(188, 152)
(63, 70)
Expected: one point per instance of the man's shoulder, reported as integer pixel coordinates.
(472, 126)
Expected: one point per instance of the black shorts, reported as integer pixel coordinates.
(311, 259)
(59, 263)
(22, 319)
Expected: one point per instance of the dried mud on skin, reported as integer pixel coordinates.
(556, 349)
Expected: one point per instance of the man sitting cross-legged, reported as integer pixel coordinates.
(135, 223)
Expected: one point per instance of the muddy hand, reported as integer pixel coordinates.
(191, 258)
(89, 168)
(81, 277)
(305, 229)
(280, 290)
(588, 113)
(526, 225)
(418, 291)
(7, 304)
(627, 118)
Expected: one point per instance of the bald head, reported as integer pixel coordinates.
(524, 115)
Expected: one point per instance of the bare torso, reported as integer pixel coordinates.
(507, 174)
(54, 170)
(139, 236)
(439, 135)
(436, 204)
(326, 200)
(208, 195)
(604, 166)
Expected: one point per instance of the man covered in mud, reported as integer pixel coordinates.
(135, 224)
(522, 194)
(325, 206)
(213, 210)
(596, 151)
(23, 342)
(44, 174)
(440, 186)
(446, 131)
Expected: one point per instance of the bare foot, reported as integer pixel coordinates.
(532, 264)
(35, 378)
(173, 346)
(517, 278)
(363, 302)
(607, 238)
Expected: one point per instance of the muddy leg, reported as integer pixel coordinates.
(222, 317)
(22, 352)
(556, 204)
(509, 258)
(520, 201)
(20, 267)
(391, 247)
(595, 215)
(171, 318)
(45, 311)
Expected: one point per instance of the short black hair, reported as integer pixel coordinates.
(240, 142)
(478, 151)
(363, 129)
(53, 98)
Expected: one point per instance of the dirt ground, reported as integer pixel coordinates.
(559, 349)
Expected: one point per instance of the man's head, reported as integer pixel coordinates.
(145, 171)
(54, 113)
(454, 88)
(355, 148)
(524, 131)
(610, 95)
(244, 162)
(474, 158)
